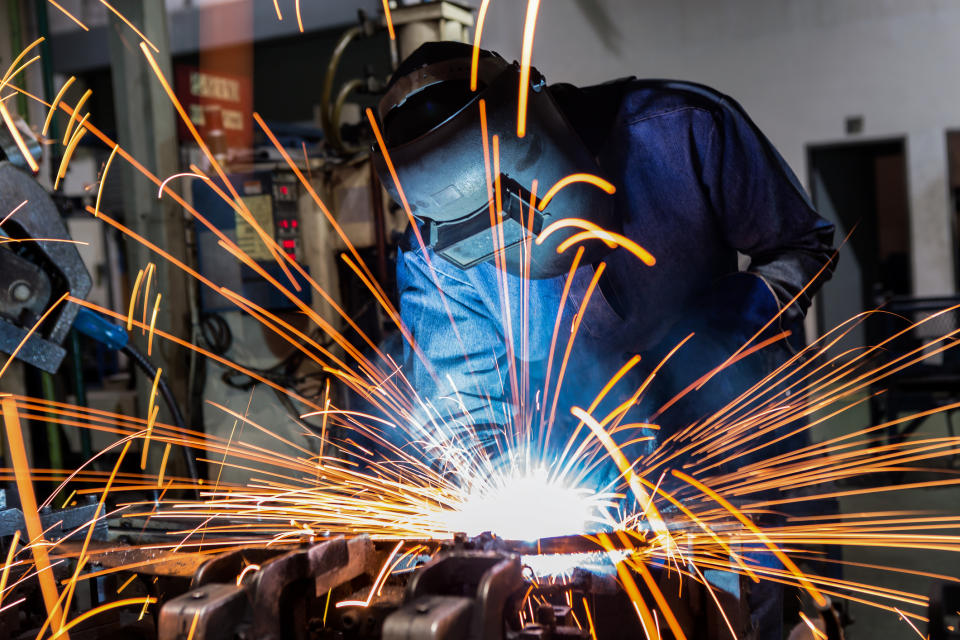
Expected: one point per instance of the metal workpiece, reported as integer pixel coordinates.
(210, 612)
(37, 266)
(280, 593)
(58, 524)
(318, 568)
(458, 594)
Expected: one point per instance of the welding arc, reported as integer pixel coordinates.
(151, 372)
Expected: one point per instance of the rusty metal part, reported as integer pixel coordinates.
(153, 561)
(325, 565)
(278, 598)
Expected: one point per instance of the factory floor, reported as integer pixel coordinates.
(871, 623)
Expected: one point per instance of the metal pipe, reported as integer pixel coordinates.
(325, 112)
(337, 139)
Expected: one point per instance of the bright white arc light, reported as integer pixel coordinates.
(526, 507)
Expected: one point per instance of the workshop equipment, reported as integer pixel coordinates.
(38, 265)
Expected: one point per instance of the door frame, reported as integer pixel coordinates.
(902, 139)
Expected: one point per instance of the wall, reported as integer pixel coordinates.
(799, 67)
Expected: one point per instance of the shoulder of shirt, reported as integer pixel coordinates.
(648, 99)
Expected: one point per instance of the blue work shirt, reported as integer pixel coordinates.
(696, 183)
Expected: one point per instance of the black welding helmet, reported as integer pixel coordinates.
(432, 128)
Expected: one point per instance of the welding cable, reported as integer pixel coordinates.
(164, 388)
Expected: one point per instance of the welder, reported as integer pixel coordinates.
(736, 240)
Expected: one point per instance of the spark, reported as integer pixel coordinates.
(69, 15)
(153, 324)
(76, 115)
(573, 178)
(5, 574)
(68, 154)
(12, 211)
(103, 178)
(184, 174)
(477, 32)
(28, 500)
(526, 56)
(388, 19)
(55, 103)
(373, 588)
(123, 19)
(17, 138)
(116, 604)
(250, 568)
(126, 583)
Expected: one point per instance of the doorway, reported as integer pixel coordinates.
(862, 187)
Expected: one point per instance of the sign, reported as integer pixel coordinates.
(216, 103)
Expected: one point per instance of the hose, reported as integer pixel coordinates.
(151, 372)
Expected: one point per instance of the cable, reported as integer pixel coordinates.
(151, 371)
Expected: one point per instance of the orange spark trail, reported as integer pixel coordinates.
(69, 15)
(104, 607)
(28, 500)
(526, 56)
(53, 105)
(103, 177)
(29, 333)
(68, 153)
(75, 114)
(389, 19)
(574, 330)
(477, 32)
(588, 178)
(17, 138)
(12, 69)
(556, 325)
(781, 556)
(610, 237)
(13, 211)
(296, 8)
(130, 24)
(6, 565)
(267, 240)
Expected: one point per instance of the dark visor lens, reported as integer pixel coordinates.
(426, 109)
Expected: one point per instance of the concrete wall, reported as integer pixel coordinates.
(799, 67)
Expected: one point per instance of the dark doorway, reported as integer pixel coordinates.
(863, 185)
(953, 166)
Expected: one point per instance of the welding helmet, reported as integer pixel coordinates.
(433, 132)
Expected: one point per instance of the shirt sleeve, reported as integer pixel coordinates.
(764, 212)
(460, 373)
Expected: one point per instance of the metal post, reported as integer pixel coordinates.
(147, 128)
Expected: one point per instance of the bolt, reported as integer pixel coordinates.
(423, 607)
(20, 291)
(198, 595)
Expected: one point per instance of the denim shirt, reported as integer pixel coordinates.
(696, 183)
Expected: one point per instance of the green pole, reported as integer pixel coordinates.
(53, 430)
(80, 389)
(16, 46)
